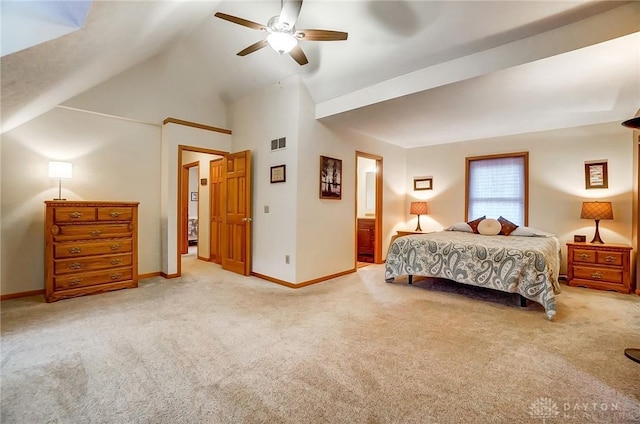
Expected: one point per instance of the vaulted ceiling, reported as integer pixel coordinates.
(411, 73)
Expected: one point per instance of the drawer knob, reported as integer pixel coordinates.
(115, 246)
(75, 282)
(95, 233)
(584, 256)
(75, 250)
(596, 276)
(115, 214)
(75, 265)
(116, 275)
(115, 261)
(75, 214)
(610, 259)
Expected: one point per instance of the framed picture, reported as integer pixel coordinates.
(203, 181)
(595, 175)
(194, 196)
(330, 178)
(423, 183)
(278, 174)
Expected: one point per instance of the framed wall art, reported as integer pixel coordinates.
(278, 174)
(194, 196)
(595, 175)
(330, 178)
(423, 183)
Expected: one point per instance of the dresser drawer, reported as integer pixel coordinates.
(91, 263)
(114, 214)
(70, 250)
(584, 256)
(74, 214)
(598, 274)
(610, 258)
(90, 231)
(92, 278)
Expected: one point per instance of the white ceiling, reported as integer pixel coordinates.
(552, 84)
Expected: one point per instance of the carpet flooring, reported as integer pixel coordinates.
(215, 347)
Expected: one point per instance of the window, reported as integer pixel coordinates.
(497, 185)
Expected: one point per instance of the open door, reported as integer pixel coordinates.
(236, 224)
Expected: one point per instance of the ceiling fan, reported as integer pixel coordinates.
(282, 34)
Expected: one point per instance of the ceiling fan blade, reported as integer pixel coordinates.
(252, 48)
(320, 35)
(290, 12)
(240, 21)
(298, 55)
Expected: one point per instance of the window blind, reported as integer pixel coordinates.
(496, 187)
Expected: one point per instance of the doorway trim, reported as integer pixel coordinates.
(184, 206)
(377, 253)
(180, 235)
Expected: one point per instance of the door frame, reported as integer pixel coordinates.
(184, 206)
(377, 253)
(179, 235)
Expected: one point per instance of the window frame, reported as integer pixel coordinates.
(470, 159)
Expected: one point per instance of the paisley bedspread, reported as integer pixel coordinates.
(525, 265)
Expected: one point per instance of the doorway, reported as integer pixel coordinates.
(232, 191)
(368, 209)
(189, 206)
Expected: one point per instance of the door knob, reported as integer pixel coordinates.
(246, 220)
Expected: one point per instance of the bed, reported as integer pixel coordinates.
(527, 265)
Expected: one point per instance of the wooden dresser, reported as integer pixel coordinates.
(599, 266)
(91, 247)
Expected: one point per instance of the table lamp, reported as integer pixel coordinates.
(597, 211)
(418, 208)
(60, 170)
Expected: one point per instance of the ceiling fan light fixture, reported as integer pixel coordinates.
(282, 42)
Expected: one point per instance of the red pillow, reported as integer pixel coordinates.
(474, 224)
(507, 226)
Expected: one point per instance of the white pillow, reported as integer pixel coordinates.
(460, 226)
(489, 227)
(530, 232)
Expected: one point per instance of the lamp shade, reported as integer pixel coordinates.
(60, 170)
(418, 208)
(632, 123)
(596, 210)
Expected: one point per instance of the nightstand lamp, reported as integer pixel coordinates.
(596, 211)
(418, 208)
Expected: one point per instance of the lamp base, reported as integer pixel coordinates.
(418, 227)
(59, 199)
(596, 236)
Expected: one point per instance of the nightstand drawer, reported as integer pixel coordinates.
(584, 256)
(598, 274)
(609, 258)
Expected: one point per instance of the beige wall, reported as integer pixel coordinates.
(113, 159)
(317, 234)
(556, 179)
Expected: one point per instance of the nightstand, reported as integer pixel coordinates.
(599, 266)
(406, 233)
